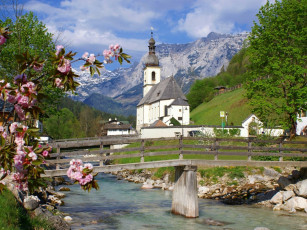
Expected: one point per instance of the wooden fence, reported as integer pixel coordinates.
(184, 147)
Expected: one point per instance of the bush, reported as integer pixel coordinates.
(221, 132)
(234, 132)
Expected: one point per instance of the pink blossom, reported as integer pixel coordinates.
(24, 101)
(85, 55)
(91, 59)
(33, 156)
(20, 112)
(58, 49)
(45, 153)
(24, 128)
(89, 166)
(11, 98)
(88, 178)
(116, 47)
(58, 82)
(64, 67)
(2, 39)
(30, 86)
(1, 128)
(4, 135)
(13, 127)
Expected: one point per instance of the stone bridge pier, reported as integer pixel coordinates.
(185, 199)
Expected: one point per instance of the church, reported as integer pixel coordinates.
(162, 100)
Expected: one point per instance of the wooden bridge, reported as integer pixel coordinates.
(111, 154)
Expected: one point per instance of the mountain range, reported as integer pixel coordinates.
(119, 91)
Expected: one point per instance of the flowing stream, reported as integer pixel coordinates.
(124, 205)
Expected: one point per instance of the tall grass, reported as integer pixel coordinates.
(14, 217)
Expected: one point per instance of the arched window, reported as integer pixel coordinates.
(153, 76)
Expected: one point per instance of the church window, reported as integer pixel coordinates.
(179, 118)
(153, 76)
(180, 110)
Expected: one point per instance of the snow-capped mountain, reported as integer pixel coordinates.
(186, 62)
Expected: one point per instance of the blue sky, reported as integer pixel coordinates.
(92, 25)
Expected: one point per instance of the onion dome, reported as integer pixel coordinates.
(151, 59)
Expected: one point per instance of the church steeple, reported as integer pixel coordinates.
(152, 68)
(151, 59)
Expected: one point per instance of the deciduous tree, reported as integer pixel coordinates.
(277, 73)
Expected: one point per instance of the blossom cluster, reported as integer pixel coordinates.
(18, 152)
(23, 97)
(80, 173)
(113, 51)
(25, 156)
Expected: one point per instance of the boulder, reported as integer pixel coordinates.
(297, 203)
(67, 218)
(301, 188)
(283, 182)
(30, 203)
(147, 186)
(55, 200)
(252, 179)
(64, 189)
(287, 195)
(203, 189)
(269, 172)
(277, 198)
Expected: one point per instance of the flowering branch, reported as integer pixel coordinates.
(20, 153)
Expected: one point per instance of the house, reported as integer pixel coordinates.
(220, 89)
(114, 127)
(162, 100)
(301, 123)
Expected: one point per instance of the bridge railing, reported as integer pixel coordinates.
(133, 149)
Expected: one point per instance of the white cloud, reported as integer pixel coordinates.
(96, 22)
(222, 16)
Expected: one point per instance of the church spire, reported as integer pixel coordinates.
(151, 59)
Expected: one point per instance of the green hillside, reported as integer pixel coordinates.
(208, 113)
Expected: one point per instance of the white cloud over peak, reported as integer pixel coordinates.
(223, 16)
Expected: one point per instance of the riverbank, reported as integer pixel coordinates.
(37, 211)
(276, 188)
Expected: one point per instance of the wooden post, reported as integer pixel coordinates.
(280, 151)
(58, 150)
(185, 200)
(142, 150)
(180, 148)
(101, 149)
(249, 149)
(216, 144)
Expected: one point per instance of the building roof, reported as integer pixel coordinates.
(180, 101)
(116, 126)
(164, 90)
(158, 123)
(6, 106)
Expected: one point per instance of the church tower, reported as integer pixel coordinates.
(152, 69)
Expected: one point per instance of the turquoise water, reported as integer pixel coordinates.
(123, 205)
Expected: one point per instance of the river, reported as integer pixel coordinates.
(123, 205)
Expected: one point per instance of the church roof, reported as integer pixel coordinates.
(180, 101)
(166, 89)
